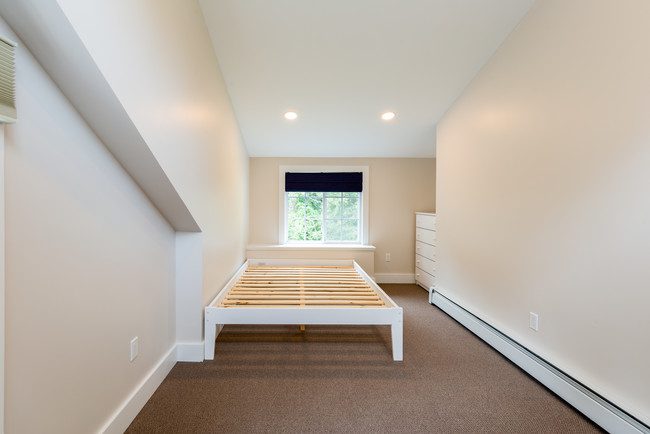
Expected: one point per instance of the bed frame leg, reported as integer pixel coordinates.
(397, 335)
(210, 338)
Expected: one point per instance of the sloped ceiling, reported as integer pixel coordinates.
(341, 63)
(45, 30)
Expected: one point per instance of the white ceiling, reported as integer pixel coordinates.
(341, 63)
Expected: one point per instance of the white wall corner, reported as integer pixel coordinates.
(126, 413)
(394, 277)
(190, 352)
(189, 282)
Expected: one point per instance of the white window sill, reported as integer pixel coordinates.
(307, 247)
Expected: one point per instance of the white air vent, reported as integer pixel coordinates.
(7, 81)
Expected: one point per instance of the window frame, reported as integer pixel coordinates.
(364, 204)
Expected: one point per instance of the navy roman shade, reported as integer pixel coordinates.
(324, 181)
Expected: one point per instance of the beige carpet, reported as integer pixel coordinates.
(275, 379)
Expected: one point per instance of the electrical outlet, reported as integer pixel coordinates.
(134, 348)
(534, 321)
(387, 257)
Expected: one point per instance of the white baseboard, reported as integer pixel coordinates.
(602, 412)
(394, 278)
(189, 352)
(122, 418)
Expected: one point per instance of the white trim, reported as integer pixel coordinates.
(189, 352)
(222, 294)
(365, 195)
(311, 247)
(395, 277)
(122, 418)
(301, 262)
(584, 400)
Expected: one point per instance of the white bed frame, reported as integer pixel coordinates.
(389, 314)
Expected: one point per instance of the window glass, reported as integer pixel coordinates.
(323, 217)
(333, 207)
(349, 230)
(313, 230)
(350, 208)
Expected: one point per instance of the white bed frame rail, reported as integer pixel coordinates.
(216, 317)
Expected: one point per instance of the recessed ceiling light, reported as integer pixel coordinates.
(291, 116)
(388, 116)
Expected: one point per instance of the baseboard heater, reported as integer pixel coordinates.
(589, 403)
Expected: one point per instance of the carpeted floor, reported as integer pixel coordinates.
(275, 379)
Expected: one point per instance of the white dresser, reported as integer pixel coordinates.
(425, 249)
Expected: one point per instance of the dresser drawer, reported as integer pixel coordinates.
(426, 250)
(424, 279)
(426, 221)
(425, 264)
(425, 236)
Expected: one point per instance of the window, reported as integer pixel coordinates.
(323, 205)
(323, 216)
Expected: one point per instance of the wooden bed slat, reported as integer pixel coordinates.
(253, 269)
(333, 294)
(301, 276)
(301, 297)
(298, 267)
(299, 302)
(299, 285)
(301, 281)
(324, 286)
(280, 270)
(305, 278)
(298, 273)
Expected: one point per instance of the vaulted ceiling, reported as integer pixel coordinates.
(339, 64)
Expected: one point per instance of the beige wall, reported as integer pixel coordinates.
(158, 58)
(89, 266)
(543, 188)
(398, 188)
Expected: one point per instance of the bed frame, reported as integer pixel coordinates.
(302, 292)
